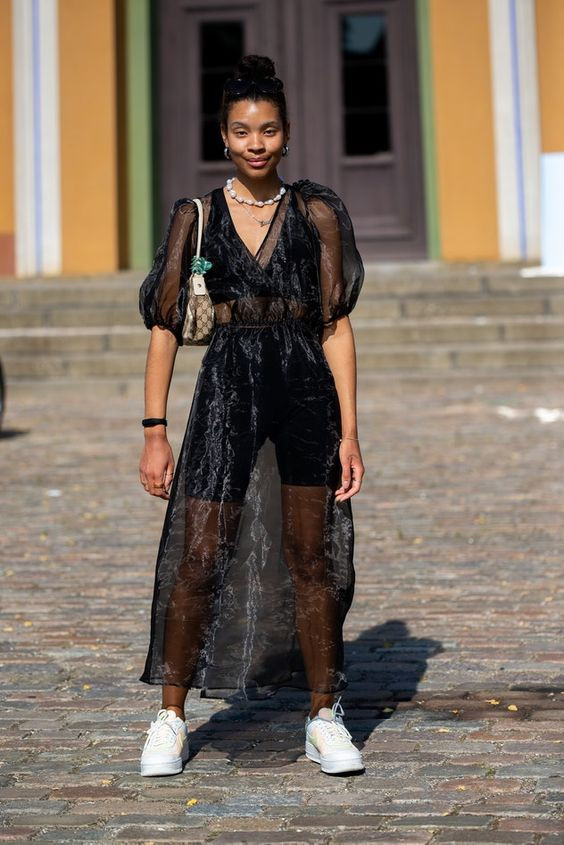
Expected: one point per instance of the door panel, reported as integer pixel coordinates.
(375, 161)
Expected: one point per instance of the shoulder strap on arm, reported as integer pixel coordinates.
(200, 225)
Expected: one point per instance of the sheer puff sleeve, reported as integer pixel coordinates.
(163, 295)
(341, 271)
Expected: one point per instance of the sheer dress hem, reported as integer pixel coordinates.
(252, 691)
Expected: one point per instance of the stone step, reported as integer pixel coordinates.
(131, 339)
(436, 279)
(448, 329)
(100, 364)
(390, 291)
(58, 316)
(381, 279)
(369, 308)
(370, 357)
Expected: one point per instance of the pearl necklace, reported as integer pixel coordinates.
(260, 203)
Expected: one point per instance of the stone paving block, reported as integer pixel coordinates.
(20, 793)
(90, 793)
(268, 825)
(371, 837)
(84, 836)
(243, 837)
(41, 820)
(116, 807)
(483, 837)
(13, 807)
(456, 820)
(159, 834)
(483, 785)
(532, 769)
(535, 825)
(329, 821)
(16, 833)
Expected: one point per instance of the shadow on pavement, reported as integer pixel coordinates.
(384, 666)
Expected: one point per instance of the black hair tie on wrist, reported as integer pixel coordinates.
(149, 422)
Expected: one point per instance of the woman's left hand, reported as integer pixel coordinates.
(353, 469)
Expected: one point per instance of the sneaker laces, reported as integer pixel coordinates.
(161, 733)
(334, 729)
(337, 709)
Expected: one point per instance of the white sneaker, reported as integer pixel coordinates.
(166, 747)
(328, 742)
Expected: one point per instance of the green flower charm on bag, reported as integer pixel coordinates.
(200, 265)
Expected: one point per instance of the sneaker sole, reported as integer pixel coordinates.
(171, 767)
(348, 764)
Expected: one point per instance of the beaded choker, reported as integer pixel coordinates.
(260, 203)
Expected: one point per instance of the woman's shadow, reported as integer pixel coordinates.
(383, 666)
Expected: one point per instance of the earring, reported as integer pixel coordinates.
(285, 150)
(226, 152)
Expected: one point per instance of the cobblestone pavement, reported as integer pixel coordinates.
(454, 641)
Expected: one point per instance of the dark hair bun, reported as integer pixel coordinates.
(255, 67)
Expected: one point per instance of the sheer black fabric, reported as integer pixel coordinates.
(255, 572)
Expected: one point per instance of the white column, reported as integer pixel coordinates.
(516, 126)
(36, 137)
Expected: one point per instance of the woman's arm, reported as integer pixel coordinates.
(156, 466)
(338, 345)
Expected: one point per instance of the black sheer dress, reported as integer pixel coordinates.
(254, 572)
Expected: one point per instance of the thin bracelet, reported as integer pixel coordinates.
(347, 438)
(149, 422)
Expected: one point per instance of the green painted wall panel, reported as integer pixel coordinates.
(140, 158)
(428, 130)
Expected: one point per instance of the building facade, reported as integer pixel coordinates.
(430, 118)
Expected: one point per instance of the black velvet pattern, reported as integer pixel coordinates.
(255, 572)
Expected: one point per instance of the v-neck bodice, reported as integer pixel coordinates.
(280, 281)
(279, 209)
(268, 244)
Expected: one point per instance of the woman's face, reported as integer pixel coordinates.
(255, 137)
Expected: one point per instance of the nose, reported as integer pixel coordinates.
(256, 143)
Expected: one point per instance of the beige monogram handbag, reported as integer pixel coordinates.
(200, 313)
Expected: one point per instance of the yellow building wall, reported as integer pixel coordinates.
(464, 129)
(6, 142)
(88, 136)
(550, 38)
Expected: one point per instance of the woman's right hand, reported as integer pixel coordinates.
(156, 467)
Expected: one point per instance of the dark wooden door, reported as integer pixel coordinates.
(350, 74)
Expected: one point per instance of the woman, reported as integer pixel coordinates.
(255, 572)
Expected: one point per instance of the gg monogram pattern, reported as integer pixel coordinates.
(200, 316)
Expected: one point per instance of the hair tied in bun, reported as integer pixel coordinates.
(255, 79)
(255, 68)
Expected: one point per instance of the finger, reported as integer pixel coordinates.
(346, 478)
(354, 488)
(345, 493)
